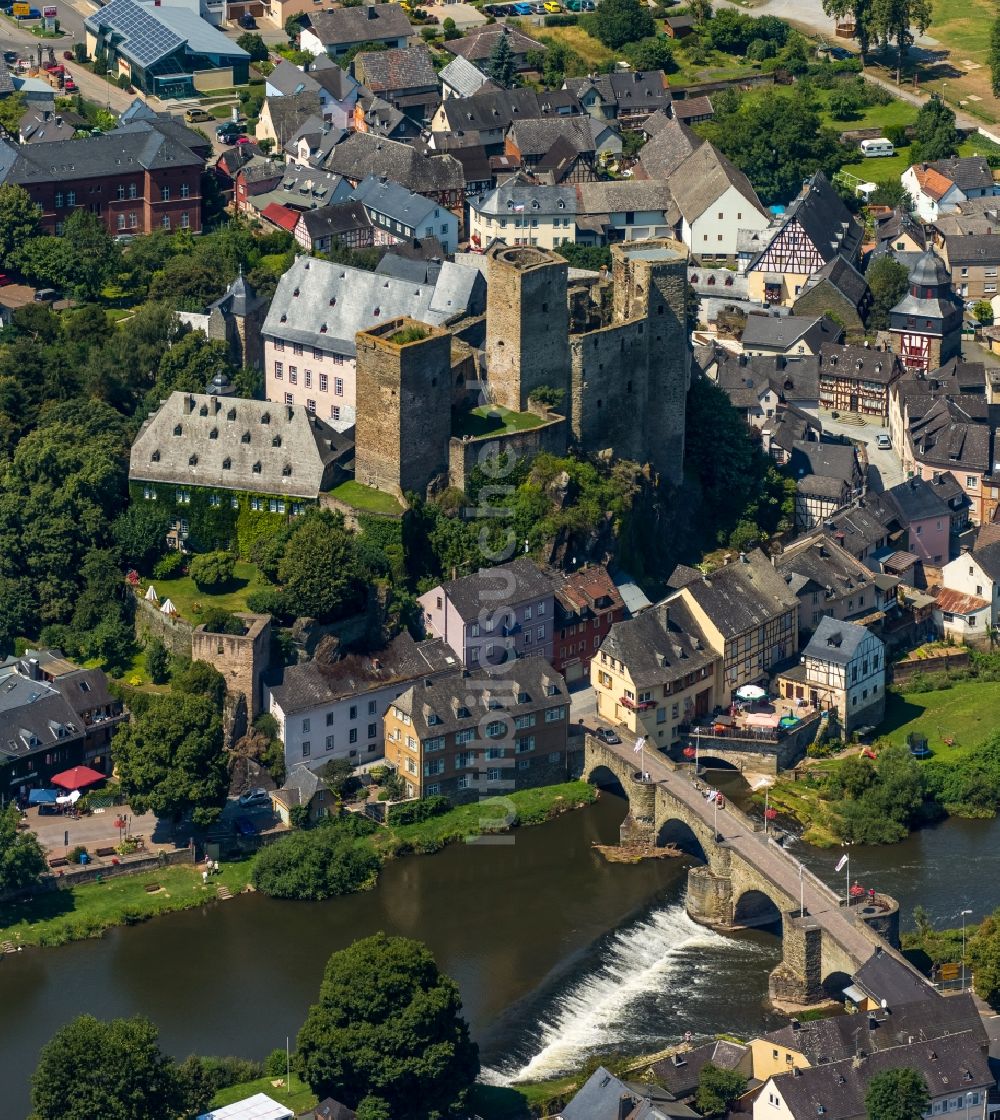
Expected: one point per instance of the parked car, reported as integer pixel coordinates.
(46, 295)
(4, 280)
(882, 442)
(246, 827)
(69, 86)
(606, 735)
(192, 115)
(257, 796)
(10, 57)
(522, 9)
(69, 56)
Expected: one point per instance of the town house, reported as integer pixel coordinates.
(482, 733)
(977, 573)
(586, 604)
(336, 31)
(857, 379)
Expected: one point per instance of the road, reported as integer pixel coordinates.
(782, 869)
(885, 468)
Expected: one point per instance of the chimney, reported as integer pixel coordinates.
(33, 670)
(371, 13)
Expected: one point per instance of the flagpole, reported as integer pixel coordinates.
(847, 890)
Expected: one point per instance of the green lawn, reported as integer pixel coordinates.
(967, 712)
(884, 168)
(877, 116)
(367, 498)
(491, 419)
(86, 911)
(298, 1096)
(192, 603)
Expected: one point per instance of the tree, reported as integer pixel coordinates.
(617, 22)
(293, 25)
(201, 679)
(157, 661)
(329, 860)
(186, 282)
(984, 955)
(22, 860)
(388, 1026)
(934, 130)
(844, 104)
(19, 220)
(254, 45)
(897, 1094)
(652, 53)
(141, 534)
(317, 568)
(983, 311)
(170, 757)
(892, 193)
(11, 111)
(94, 255)
(717, 1089)
(114, 1070)
(896, 20)
(212, 571)
(888, 281)
(500, 67)
(993, 56)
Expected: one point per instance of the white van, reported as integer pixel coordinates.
(878, 147)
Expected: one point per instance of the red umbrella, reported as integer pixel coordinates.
(771, 814)
(77, 778)
(689, 752)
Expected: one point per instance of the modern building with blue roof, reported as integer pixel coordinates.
(166, 51)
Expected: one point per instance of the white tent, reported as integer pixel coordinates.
(168, 607)
(69, 798)
(151, 596)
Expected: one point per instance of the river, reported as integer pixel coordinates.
(557, 953)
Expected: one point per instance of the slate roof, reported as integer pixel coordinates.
(468, 593)
(299, 188)
(634, 91)
(329, 1109)
(142, 144)
(536, 137)
(289, 113)
(842, 274)
(659, 645)
(531, 686)
(491, 109)
(822, 486)
(836, 642)
(680, 1077)
(832, 460)
(397, 69)
(271, 448)
(606, 1097)
(319, 681)
(289, 79)
(333, 221)
(396, 202)
(363, 154)
(478, 45)
(945, 435)
(741, 595)
(783, 332)
(837, 1090)
(703, 178)
(6, 81)
(882, 976)
(463, 77)
(667, 149)
(534, 197)
(966, 172)
(41, 126)
(824, 218)
(793, 378)
(973, 249)
(987, 556)
(860, 362)
(338, 82)
(860, 527)
(335, 301)
(339, 27)
(34, 715)
(816, 561)
(689, 107)
(915, 500)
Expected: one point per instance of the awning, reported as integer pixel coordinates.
(854, 994)
(42, 796)
(77, 778)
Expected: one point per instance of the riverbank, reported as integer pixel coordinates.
(60, 916)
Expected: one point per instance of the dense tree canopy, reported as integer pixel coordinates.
(326, 861)
(617, 22)
(888, 281)
(317, 568)
(22, 860)
(717, 1089)
(388, 1026)
(19, 220)
(897, 1094)
(934, 130)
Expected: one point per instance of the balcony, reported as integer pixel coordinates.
(636, 705)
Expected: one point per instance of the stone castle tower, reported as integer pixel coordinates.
(527, 322)
(237, 319)
(404, 378)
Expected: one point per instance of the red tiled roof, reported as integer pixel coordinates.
(932, 182)
(957, 602)
(280, 216)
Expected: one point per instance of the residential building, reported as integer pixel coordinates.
(460, 78)
(670, 143)
(680, 1072)
(972, 260)
(264, 182)
(748, 616)
(405, 78)
(319, 307)
(494, 613)
(789, 335)
(789, 425)
(375, 116)
(586, 604)
(398, 214)
(624, 210)
(41, 125)
(829, 582)
(606, 1097)
(336, 31)
(333, 706)
(815, 229)
(486, 116)
(481, 733)
(363, 154)
(138, 178)
(963, 618)
(924, 515)
(625, 97)
(957, 1076)
(346, 225)
(478, 45)
(692, 110)
(303, 789)
(861, 530)
(54, 716)
(941, 186)
(977, 573)
(553, 149)
(827, 476)
(281, 118)
(916, 392)
(839, 290)
(898, 232)
(657, 673)
(164, 50)
(520, 212)
(716, 201)
(758, 384)
(926, 324)
(335, 87)
(212, 460)
(857, 379)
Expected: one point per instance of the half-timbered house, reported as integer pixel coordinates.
(926, 324)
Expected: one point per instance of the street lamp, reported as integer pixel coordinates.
(964, 912)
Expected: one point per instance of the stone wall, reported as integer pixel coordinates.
(401, 439)
(465, 454)
(950, 659)
(240, 658)
(173, 632)
(527, 323)
(609, 389)
(761, 756)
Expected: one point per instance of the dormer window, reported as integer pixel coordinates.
(192, 460)
(266, 418)
(231, 414)
(295, 293)
(203, 411)
(286, 470)
(214, 433)
(322, 329)
(155, 457)
(276, 442)
(284, 318)
(178, 430)
(333, 301)
(256, 467)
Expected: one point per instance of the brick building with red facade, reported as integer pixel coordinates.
(586, 603)
(142, 176)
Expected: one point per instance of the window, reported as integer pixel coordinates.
(434, 766)
(324, 382)
(305, 726)
(149, 493)
(293, 375)
(372, 730)
(329, 719)
(71, 198)
(255, 504)
(234, 503)
(276, 505)
(121, 221)
(185, 220)
(338, 386)
(335, 412)
(494, 774)
(279, 370)
(310, 405)
(371, 707)
(166, 221)
(526, 744)
(279, 345)
(329, 742)
(297, 348)
(164, 194)
(132, 190)
(493, 753)
(309, 379)
(466, 736)
(59, 200)
(541, 633)
(214, 501)
(495, 728)
(289, 398)
(971, 481)
(306, 748)
(541, 609)
(552, 715)
(521, 722)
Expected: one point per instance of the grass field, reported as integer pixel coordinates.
(86, 911)
(297, 1096)
(491, 419)
(884, 168)
(877, 116)
(967, 712)
(192, 603)
(363, 497)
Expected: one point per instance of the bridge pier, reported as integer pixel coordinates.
(638, 829)
(798, 979)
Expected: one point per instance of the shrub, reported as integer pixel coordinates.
(77, 854)
(412, 812)
(219, 621)
(212, 570)
(268, 600)
(329, 860)
(157, 661)
(169, 566)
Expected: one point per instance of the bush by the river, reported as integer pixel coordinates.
(331, 859)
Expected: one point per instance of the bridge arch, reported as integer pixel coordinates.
(715, 762)
(679, 833)
(755, 908)
(605, 778)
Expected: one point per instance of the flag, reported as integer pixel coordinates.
(519, 208)
(841, 863)
(639, 744)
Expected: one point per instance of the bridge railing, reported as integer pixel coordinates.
(810, 877)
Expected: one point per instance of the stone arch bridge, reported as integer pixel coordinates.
(747, 879)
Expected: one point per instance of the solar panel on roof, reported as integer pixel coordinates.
(146, 39)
